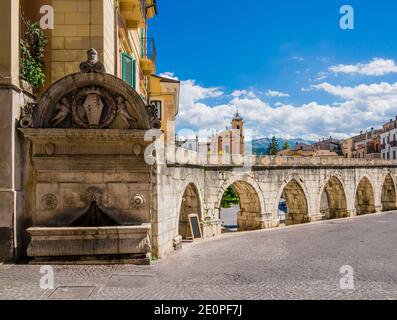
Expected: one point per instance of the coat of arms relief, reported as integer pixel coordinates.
(93, 108)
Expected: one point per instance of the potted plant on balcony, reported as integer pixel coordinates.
(32, 45)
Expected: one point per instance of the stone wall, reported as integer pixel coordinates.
(79, 24)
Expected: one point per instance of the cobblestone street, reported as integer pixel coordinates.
(301, 262)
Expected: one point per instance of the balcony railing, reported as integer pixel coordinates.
(149, 51)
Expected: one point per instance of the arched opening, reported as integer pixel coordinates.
(190, 205)
(388, 194)
(293, 204)
(240, 208)
(333, 200)
(365, 199)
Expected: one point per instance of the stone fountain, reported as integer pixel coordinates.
(88, 188)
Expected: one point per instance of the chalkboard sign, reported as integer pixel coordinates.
(195, 226)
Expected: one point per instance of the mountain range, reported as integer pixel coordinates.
(261, 146)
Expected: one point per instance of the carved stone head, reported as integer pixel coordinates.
(92, 56)
(92, 64)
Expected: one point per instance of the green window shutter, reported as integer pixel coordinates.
(134, 74)
(129, 70)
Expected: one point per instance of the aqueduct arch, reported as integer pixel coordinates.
(333, 204)
(249, 216)
(388, 196)
(365, 197)
(297, 203)
(190, 204)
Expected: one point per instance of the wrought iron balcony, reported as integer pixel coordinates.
(149, 51)
(148, 59)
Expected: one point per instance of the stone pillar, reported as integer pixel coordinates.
(9, 105)
(352, 213)
(9, 43)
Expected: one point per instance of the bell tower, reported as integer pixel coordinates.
(238, 130)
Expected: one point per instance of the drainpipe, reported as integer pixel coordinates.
(116, 37)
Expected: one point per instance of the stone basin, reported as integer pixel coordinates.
(90, 245)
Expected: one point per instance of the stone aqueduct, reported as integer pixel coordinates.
(314, 189)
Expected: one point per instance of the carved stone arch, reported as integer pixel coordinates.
(364, 197)
(388, 192)
(288, 178)
(252, 203)
(190, 202)
(72, 92)
(298, 200)
(333, 192)
(191, 180)
(91, 99)
(235, 178)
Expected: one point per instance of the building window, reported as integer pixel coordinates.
(129, 70)
(157, 103)
(394, 155)
(388, 156)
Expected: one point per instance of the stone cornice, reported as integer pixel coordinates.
(73, 135)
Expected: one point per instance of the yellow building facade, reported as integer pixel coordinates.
(117, 29)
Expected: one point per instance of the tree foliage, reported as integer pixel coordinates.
(274, 148)
(230, 197)
(32, 54)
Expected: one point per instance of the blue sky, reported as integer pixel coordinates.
(287, 65)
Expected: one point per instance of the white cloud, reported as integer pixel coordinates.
(361, 91)
(321, 76)
(272, 94)
(359, 107)
(298, 58)
(242, 93)
(377, 67)
(169, 75)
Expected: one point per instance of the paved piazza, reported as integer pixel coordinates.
(299, 262)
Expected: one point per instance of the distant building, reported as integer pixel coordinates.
(229, 141)
(388, 140)
(306, 150)
(331, 144)
(347, 147)
(366, 145)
